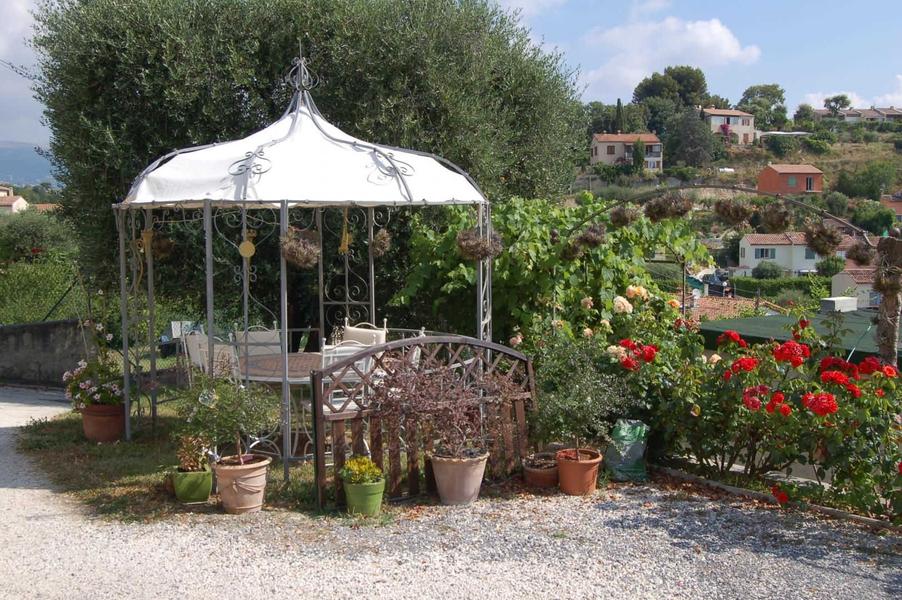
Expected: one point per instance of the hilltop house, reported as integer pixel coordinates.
(786, 249)
(791, 179)
(617, 149)
(861, 281)
(860, 115)
(9, 202)
(736, 125)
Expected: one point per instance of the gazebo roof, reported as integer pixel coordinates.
(302, 159)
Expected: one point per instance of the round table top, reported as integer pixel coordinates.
(268, 367)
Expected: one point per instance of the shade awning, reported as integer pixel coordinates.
(306, 161)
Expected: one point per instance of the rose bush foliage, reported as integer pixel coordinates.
(767, 407)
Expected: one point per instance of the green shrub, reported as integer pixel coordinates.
(770, 288)
(682, 173)
(869, 137)
(360, 469)
(825, 135)
(28, 291)
(767, 270)
(816, 146)
(781, 145)
(30, 234)
(830, 266)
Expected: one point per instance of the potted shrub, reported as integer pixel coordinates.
(192, 480)
(540, 470)
(364, 485)
(94, 388)
(225, 411)
(578, 403)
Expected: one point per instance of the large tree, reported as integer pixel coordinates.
(691, 83)
(660, 111)
(717, 101)
(688, 139)
(768, 103)
(657, 85)
(124, 83)
(837, 103)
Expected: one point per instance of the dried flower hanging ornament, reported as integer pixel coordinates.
(300, 247)
(472, 245)
(346, 238)
(381, 243)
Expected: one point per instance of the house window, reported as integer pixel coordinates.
(791, 181)
(610, 149)
(595, 151)
(809, 184)
(746, 122)
(765, 253)
(810, 254)
(741, 252)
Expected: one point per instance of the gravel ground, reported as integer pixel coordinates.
(628, 542)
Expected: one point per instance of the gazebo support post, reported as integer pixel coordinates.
(283, 317)
(147, 239)
(123, 312)
(322, 282)
(245, 294)
(208, 238)
(372, 269)
(484, 279)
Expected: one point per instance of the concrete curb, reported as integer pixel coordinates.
(769, 499)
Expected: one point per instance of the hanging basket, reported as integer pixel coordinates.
(775, 219)
(300, 247)
(732, 212)
(381, 243)
(667, 207)
(861, 253)
(623, 216)
(822, 239)
(592, 237)
(473, 246)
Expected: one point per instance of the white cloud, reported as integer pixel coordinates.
(893, 98)
(530, 8)
(637, 49)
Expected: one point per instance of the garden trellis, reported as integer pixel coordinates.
(285, 176)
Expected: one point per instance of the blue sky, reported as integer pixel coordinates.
(811, 48)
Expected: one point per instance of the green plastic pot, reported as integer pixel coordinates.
(364, 498)
(192, 486)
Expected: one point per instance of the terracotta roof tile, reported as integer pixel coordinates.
(861, 275)
(790, 238)
(806, 169)
(629, 138)
(9, 200)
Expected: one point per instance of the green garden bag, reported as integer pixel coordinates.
(625, 455)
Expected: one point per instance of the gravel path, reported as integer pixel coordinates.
(629, 542)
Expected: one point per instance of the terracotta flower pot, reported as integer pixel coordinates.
(458, 479)
(103, 422)
(578, 477)
(541, 477)
(241, 487)
(192, 486)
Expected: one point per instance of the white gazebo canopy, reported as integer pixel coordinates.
(304, 160)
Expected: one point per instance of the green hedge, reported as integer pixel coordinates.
(747, 286)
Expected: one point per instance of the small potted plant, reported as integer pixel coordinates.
(192, 480)
(364, 485)
(225, 411)
(94, 388)
(540, 470)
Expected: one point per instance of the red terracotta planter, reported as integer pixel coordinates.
(103, 422)
(578, 477)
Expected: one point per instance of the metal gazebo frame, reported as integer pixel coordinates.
(156, 214)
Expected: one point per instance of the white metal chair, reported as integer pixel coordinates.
(258, 341)
(365, 333)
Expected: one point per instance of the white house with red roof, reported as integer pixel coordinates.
(788, 250)
(860, 280)
(736, 125)
(617, 149)
(10, 202)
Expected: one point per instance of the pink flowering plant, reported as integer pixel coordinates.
(97, 380)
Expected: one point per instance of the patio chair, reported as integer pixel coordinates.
(365, 333)
(257, 341)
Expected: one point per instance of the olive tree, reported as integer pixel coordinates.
(123, 83)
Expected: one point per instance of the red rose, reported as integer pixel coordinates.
(854, 389)
(778, 398)
(879, 393)
(727, 375)
(628, 344)
(648, 353)
(770, 407)
(785, 410)
(804, 323)
(629, 363)
(890, 371)
(779, 495)
(823, 404)
(792, 352)
(807, 398)
(837, 377)
(869, 365)
(753, 403)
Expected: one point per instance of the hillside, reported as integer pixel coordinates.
(20, 164)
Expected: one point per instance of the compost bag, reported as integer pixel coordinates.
(625, 455)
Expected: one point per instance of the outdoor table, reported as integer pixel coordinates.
(267, 368)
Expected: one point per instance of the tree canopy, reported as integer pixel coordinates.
(837, 103)
(688, 140)
(682, 84)
(767, 102)
(461, 79)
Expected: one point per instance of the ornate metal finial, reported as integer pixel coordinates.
(299, 76)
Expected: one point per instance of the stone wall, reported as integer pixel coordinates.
(39, 353)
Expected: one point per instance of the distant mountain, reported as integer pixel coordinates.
(20, 164)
